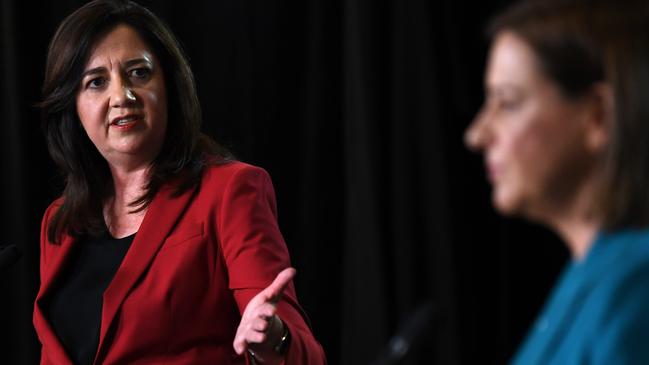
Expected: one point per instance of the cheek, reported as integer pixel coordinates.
(527, 148)
(530, 142)
(156, 103)
(539, 156)
(523, 148)
(90, 114)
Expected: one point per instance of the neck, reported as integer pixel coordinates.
(128, 184)
(578, 233)
(576, 222)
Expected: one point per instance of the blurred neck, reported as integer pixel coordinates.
(576, 221)
(579, 235)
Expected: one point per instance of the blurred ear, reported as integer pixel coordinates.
(599, 121)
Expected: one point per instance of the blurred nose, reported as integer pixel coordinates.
(478, 135)
(121, 94)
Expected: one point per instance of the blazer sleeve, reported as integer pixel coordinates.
(254, 252)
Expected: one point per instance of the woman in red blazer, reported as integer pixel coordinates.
(162, 249)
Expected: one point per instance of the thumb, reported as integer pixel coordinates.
(274, 290)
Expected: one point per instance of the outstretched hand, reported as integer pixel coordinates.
(260, 328)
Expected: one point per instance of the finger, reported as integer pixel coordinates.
(265, 311)
(253, 337)
(240, 345)
(260, 325)
(252, 325)
(245, 337)
(275, 289)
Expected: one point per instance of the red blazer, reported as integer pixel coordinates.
(194, 264)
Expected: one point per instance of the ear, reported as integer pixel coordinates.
(600, 115)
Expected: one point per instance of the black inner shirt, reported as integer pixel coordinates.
(75, 304)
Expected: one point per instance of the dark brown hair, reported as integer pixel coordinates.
(185, 150)
(579, 43)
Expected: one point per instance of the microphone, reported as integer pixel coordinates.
(409, 332)
(8, 256)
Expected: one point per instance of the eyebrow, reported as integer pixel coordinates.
(127, 64)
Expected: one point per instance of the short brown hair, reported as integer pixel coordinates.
(579, 43)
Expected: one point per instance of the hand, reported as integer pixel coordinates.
(260, 328)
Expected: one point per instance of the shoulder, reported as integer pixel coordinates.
(234, 172)
(244, 191)
(627, 282)
(622, 295)
(628, 257)
(627, 264)
(47, 247)
(55, 205)
(235, 180)
(51, 210)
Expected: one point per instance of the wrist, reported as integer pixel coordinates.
(281, 345)
(272, 350)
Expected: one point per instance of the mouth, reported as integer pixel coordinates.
(127, 121)
(494, 172)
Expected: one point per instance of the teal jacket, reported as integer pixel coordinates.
(598, 312)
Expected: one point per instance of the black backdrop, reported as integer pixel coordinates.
(357, 109)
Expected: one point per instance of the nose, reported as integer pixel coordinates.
(478, 134)
(121, 94)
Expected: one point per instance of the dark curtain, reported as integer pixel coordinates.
(357, 109)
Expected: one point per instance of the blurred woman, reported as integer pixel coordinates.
(565, 135)
(163, 249)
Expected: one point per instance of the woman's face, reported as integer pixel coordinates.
(121, 100)
(533, 138)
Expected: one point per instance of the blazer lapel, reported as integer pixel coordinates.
(55, 350)
(161, 216)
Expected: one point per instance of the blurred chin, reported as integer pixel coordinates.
(503, 202)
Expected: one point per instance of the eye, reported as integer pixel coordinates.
(96, 83)
(141, 73)
(510, 104)
(505, 98)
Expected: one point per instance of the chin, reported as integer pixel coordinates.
(504, 204)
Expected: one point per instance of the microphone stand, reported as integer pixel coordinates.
(8, 256)
(408, 334)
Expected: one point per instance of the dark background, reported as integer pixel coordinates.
(357, 109)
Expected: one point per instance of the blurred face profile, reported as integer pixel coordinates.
(533, 138)
(121, 100)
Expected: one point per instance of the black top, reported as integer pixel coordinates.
(75, 305)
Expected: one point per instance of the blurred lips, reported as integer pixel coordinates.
(494, 171)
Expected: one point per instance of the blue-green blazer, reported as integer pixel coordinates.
(599, 311)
